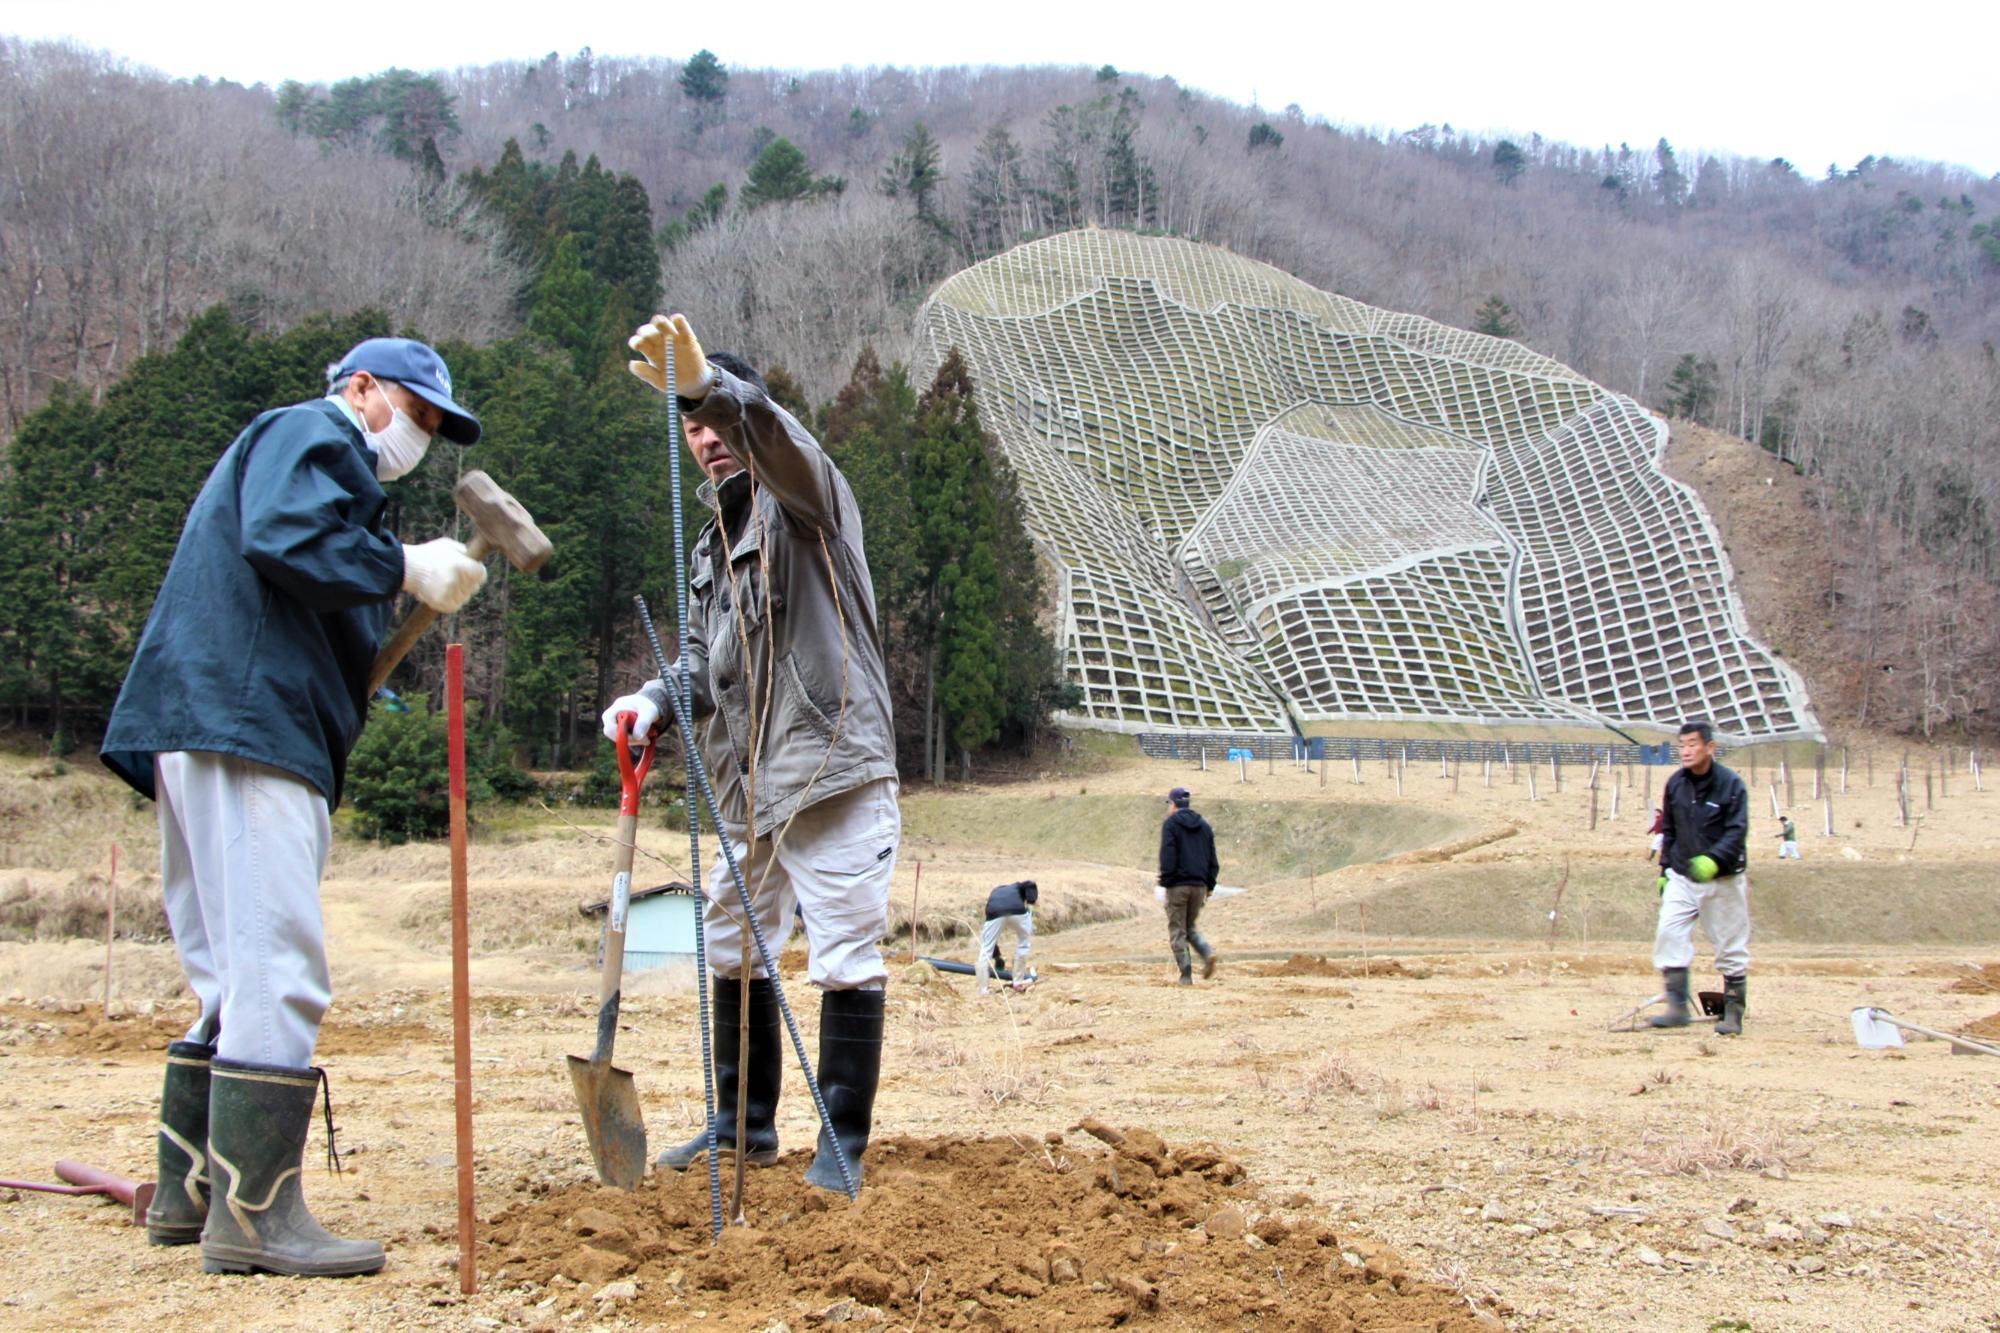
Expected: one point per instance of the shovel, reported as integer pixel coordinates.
(1879, 1030)
(605, 1094)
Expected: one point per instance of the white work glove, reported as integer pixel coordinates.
(691, 373)
(648, 716)
(441, 575)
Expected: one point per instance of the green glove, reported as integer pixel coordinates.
(1661, 885)
(1702, 869)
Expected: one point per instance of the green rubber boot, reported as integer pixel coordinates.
(1676, 1016)
(258, 1116)
(1735, 990)
(180, 1203)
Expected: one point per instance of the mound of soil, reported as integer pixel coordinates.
(1986, 1029)
(1006, 1234)
(1312, 965)
(1982, 981)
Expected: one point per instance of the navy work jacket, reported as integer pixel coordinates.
(260, 641)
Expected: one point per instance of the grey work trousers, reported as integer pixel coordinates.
(1184, 904)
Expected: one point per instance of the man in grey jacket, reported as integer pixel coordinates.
(791, 711)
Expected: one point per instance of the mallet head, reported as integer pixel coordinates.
(499, 518)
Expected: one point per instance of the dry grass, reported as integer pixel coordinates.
(504, 917)
(45, 907)
(1714, 1143)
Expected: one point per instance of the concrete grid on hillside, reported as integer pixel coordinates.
(1269, 505)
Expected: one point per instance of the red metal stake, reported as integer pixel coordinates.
(461, 981)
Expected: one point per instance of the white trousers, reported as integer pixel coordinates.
(1722, 906)
(833, 864)
(989, 940)
(242, 848)
(1788, 851)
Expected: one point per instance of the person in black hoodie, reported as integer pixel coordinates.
(1704, 858)
(1187, 872)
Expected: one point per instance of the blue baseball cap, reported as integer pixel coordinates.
(419, 369)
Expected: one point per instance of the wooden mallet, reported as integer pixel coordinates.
(499, 524)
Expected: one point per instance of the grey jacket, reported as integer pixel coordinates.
(783, 690)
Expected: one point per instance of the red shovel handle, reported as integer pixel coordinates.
(631, 775)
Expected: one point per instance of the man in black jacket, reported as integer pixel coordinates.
(1187, 872)
(1704, 856)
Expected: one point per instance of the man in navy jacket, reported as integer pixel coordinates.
(245, 694)
(1704, 859)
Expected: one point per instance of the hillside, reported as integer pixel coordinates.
(805, 215)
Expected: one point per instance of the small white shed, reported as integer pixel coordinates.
(659, 927)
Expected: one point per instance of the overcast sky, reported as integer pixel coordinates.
(1758, 78)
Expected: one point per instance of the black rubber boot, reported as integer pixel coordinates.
(767, 1067)
(850, 1069)
(1734, 993)
(1676, 1016)
(180, 1204)
(258, 1116)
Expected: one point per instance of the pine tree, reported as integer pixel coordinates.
(1508, 161)
(703, 79)
(915, 173)
(1496, 318)
(779, 175)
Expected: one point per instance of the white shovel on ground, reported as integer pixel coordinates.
(1879, 1030)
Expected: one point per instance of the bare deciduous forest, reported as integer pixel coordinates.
(1843, 317)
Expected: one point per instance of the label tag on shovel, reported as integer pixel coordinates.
(621, 900)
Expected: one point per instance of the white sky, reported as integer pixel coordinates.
(1817, 83)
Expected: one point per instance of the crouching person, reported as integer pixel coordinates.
(783, 654)
(1008, 905)
(248, 688)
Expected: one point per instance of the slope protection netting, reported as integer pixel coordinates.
(1266, 502)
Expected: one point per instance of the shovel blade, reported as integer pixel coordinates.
(609, 1103)
(1873, 1031)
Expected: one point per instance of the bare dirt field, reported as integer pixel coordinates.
(1396, 1106)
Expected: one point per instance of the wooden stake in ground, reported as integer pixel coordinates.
(110, 924)
(1204, 759)
(1364, 939)
(1827, 800)
(1322, 769)
(1774, 800)
(461, 977)
(1399, 779)
(1843, 770)
(1242, 769)
(1355, 756)
(1593, 805)
(1531, 782)
(915, 889)
(1614, 801)
(1555, 908)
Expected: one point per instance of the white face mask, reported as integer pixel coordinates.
(400, 445)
